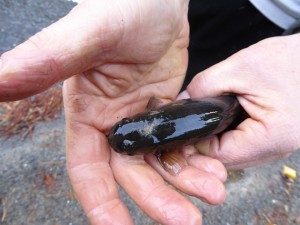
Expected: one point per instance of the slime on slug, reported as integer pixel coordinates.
(169, 126)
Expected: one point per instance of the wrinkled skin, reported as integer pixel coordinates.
(114, 55)
(266, 78)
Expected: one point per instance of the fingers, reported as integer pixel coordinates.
(91, 177)
(149, 191)
(202, 181)
(248, 145)
(67, 47)
(208, 165)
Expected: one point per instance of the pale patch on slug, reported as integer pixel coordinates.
(149, 127)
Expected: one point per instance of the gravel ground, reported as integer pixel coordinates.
(34, 188)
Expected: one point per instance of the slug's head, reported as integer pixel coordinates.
(127, 137)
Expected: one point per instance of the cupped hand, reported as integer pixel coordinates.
(115, 55)
(266, 78)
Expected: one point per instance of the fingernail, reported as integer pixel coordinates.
(6, 71)
(183, 95)
(203, 147)
(2, 72)
(189, 151)
(172, 162)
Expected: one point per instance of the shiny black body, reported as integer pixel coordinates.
(178, 122)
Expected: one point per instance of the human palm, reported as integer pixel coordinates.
(115, 55)
(99, 97)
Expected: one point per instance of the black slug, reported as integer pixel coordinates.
(179, 122)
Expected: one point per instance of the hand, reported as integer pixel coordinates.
(266, 79)
(116, 54)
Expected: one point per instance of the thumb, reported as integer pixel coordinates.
(250, 142)
(229, 76)
(239, 148)
(63, 49)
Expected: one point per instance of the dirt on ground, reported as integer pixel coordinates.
(34, 186)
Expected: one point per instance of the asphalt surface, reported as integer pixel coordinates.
(34, 187)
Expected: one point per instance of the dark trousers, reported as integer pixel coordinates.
(219, 28)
